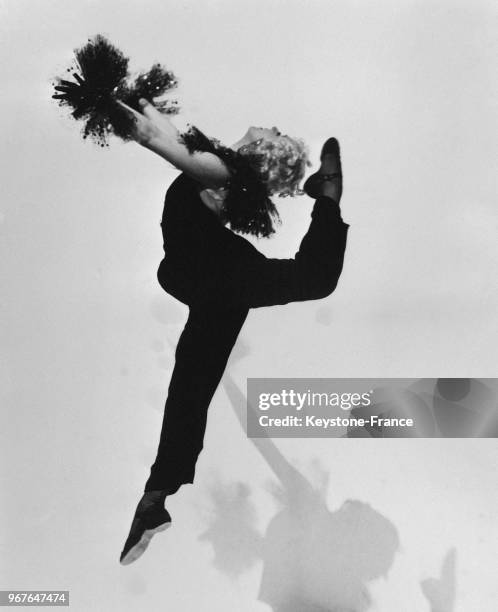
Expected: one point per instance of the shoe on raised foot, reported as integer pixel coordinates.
(330, 170)
(143, 527)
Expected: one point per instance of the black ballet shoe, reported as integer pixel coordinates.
(312, 186)
(143, 528)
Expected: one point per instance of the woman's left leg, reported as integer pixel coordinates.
(200, 360)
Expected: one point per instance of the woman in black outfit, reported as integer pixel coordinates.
(219, 275)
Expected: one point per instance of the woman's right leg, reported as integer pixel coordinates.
(316, 268)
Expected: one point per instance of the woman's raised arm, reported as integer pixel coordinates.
(154, 131)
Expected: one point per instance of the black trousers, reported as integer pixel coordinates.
(219, 296)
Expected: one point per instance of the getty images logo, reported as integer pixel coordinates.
(299, 400)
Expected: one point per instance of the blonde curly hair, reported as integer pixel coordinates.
(281, 163)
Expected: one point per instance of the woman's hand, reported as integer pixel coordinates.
(150, 127)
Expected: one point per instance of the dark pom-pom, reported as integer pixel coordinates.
(100, 81)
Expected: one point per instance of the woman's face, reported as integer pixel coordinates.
(257, 133)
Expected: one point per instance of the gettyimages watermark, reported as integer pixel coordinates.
(372, 407)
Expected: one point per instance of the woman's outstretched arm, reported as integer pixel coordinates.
(154, 131)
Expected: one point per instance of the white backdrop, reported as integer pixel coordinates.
(87, 333)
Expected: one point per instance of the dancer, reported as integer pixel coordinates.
(220, 275)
